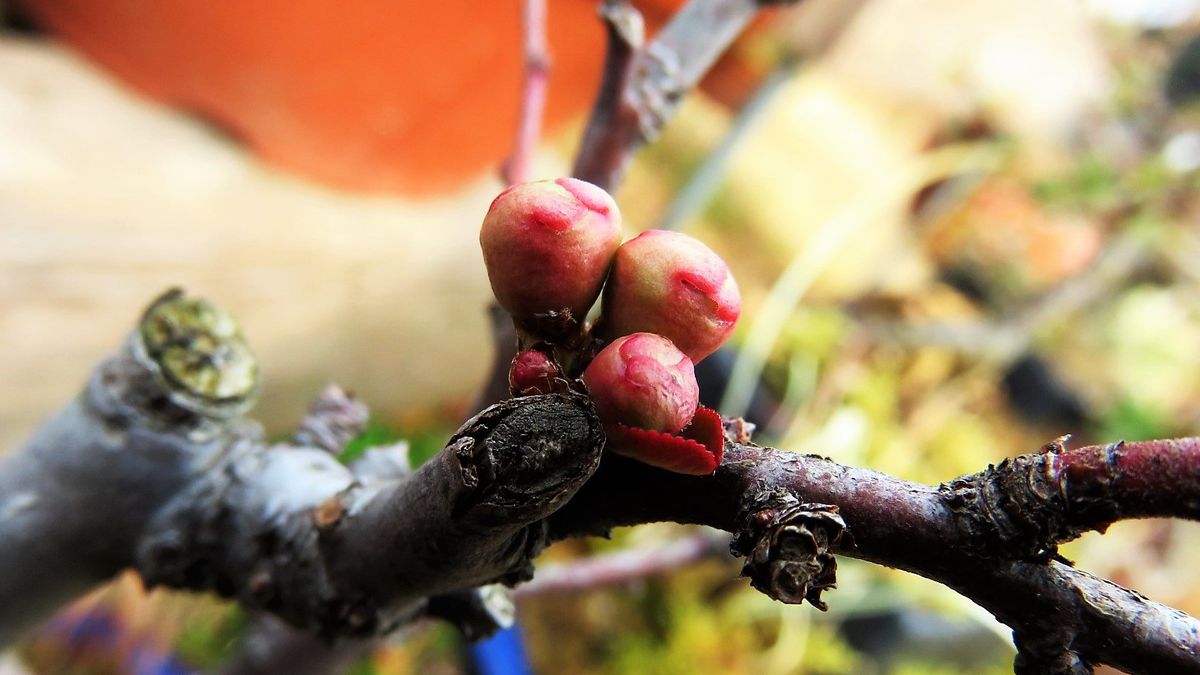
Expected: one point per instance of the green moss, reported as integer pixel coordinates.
(377, 433)
(210, 640)
(422, 444)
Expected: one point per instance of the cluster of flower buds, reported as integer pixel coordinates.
(669, 301)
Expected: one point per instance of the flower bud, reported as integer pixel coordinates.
(673, 285)
(548, 245)
(643, 381)
(532, 372)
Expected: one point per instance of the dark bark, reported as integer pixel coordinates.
(643, 84)
(148, 470)
(474, 513)
(1060, 615)
(346, 558)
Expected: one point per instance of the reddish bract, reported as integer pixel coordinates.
(696, 450)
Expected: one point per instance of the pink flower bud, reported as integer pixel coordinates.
(671, 284)
(548, 246)
(532, 372)
(643, 381)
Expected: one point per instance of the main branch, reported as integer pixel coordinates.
(154, 467)
(977, 535)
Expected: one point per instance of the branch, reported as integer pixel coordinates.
(774, 500)
(154, 467)
(1027, 505)
(518, 168)
(276, 647)
(610, 136)
(156, 457)
(473, 514)
(642, 86)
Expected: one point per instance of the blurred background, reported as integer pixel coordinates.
(961, 230)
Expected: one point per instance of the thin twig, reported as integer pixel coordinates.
(643, 86)
(519, 167)
(333, 419)
(622, 567)
(613, 115)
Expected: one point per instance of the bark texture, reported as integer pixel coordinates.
(155, 467)
(643, 84)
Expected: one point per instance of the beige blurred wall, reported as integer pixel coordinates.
(106, 200)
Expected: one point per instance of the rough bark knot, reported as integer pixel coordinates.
(788, 547)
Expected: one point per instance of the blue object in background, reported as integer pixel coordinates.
(95, 638)
(147, 661)
(501, 654)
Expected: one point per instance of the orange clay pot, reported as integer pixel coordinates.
(374, 95)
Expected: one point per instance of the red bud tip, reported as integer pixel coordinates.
(696, 450)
